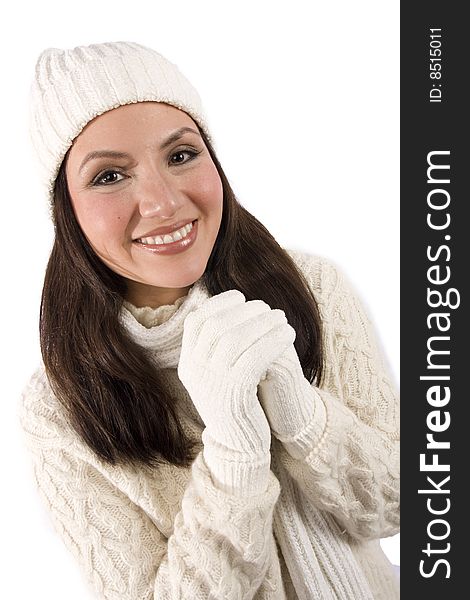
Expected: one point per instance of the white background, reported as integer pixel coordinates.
(303, 103)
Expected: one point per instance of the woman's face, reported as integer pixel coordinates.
(138, 172)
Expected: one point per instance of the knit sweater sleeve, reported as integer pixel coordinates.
(219, 545)
(346, 461)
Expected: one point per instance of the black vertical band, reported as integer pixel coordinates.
(435, 256)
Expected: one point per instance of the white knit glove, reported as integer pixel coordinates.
(293, 406)
(227, 347)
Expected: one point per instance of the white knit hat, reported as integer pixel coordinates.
(72, 87)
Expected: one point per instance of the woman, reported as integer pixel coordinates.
(213, 418)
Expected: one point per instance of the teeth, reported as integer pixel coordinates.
(179, 234)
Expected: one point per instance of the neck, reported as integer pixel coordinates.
(164, 339)
(141, 295)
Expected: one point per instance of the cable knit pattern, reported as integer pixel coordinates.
(360, 487)
(313, 529)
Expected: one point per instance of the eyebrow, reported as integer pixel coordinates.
(114, 154)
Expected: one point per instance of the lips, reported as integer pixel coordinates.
(158, 246)
(166, 229)
(168, 238)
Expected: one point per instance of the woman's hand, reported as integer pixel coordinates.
(288, 399)
(228, 345)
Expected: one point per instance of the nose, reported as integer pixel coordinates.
(158, 198)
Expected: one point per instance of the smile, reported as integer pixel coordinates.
(171, 243)
(168, 238)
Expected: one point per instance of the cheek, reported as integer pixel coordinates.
(210, 191)
(101, 222)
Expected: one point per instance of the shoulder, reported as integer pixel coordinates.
(37, 395)
(40, 414)
(343, 310)
(327, 280)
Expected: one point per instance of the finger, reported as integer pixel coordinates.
(220, 325)
(266, 350)
(195, 320)
(246, 334)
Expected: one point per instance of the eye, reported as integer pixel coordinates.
(107, 178)
(180, 156)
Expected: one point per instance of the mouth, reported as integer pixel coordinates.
(168, 238)
(170, 243)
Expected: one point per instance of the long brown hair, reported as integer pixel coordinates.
(113, 395)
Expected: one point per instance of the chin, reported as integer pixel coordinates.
(179, 280)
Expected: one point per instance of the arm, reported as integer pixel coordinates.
(219, 545)
(341, 441)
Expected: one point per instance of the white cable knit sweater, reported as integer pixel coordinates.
(171, 533)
